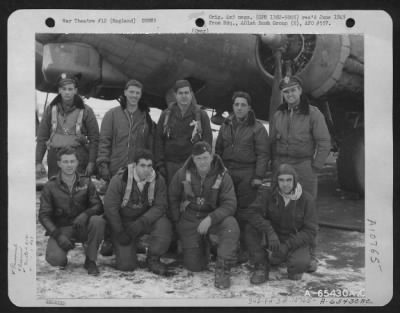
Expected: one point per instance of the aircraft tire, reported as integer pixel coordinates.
(351, 162)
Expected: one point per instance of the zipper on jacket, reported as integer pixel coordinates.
(288, 130)
(144, 124)
(202, 185)
(71, 198)
(232, 134)
(294, 216)
(66, 186)
(130, 127)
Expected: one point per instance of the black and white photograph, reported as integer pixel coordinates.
(191, 167)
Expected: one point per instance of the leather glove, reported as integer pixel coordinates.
(80, 221)
(135, 228)
(104, 171)
(64, 242)
(40, 170)
(89, 169)
(273, 241)
(123, 238)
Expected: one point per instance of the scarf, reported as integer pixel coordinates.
(295, 195)
(142, 183)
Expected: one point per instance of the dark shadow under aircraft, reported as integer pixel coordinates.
(330, 66)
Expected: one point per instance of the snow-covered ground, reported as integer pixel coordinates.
(341, 256)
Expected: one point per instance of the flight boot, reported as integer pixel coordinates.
(107, 248)
(91, 267)
(260, 274)
(297, 276)
(156, 266)
(313, 266)
(243, 257)
(222, 274)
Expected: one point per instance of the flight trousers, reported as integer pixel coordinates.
(245, 195)
(297, 260)
(172, 168)
(56, 256)
(160, 238)
(195, 247)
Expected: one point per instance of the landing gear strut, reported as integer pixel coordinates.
(351, 162)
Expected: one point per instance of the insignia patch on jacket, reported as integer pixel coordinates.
(200, 201)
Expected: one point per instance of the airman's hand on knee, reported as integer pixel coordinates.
(273, 243)
(64, 242)
(204, 225)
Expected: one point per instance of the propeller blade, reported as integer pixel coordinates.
(276, 97)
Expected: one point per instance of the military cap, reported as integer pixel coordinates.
(289, 81)
(287, 169)
(133, 82)
(66, 78)
(201, 147)
(181, 83)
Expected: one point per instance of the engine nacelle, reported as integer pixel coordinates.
(325, 63)
(96, 74)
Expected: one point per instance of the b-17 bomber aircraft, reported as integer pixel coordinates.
(331, 67)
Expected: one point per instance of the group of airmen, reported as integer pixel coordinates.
(164, 180)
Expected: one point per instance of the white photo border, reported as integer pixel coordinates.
(378, 90)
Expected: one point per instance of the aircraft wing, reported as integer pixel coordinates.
(215, 64)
